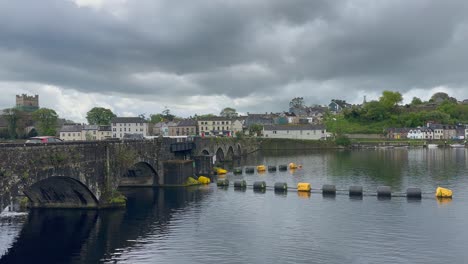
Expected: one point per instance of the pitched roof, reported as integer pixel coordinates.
(128, 120)
(295, 127)
(215, 118)
(71, 128)
(187, 122)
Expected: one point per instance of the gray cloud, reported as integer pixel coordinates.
(168, 51)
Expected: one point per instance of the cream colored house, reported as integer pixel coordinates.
(71, 132)
(78, 132)
(215, 126)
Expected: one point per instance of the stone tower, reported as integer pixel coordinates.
(27, 103)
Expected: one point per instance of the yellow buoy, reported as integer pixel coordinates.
(204, 180)
(261, 168)
(303, 187)
(292, 165)
(220, 171)
(191, 181)
(443, 193)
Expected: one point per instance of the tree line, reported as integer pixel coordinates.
(387, 111)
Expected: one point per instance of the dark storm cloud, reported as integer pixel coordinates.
(316, 49)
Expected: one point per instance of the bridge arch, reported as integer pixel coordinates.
(230, 153)
(205, 152)
(139, 174)
(61, 192)
(220, 154)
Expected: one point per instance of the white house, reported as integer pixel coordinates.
(295, 132)
(129, 125)
(421, 133)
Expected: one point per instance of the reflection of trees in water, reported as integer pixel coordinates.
(75, 236)
(381, 166)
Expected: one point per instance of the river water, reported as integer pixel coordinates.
(207, 224)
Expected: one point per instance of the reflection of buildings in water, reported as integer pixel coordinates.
(88, 236)
(438, 166)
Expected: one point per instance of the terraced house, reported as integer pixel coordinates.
(215, 126)
(77, 132)
(129, 126)
(184, 128)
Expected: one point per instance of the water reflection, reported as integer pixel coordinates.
(76, 236)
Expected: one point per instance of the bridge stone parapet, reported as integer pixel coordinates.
(87, 174)
(80, 174)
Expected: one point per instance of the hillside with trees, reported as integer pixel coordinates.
(376, 116)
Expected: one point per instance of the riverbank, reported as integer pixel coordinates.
(293, 144)
(298, 144)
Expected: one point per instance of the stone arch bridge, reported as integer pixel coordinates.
(87, 174)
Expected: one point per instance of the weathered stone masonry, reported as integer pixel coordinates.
(87, 174)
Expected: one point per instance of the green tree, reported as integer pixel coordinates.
(12, 116)
(255, 129)
(390, 99)
(416, 101)
(336, 124)
(441, 97)
(156, 118)
(228, 112)
(100, 116)
(46, 121)
(167, 116)
(297, 102)
(204, 116)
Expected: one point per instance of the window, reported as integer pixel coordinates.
(94, 132)
(222, 123)
(68, 134)
(223, 127)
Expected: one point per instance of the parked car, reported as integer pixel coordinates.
(43, 139)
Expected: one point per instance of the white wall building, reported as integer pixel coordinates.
(76, 132)
(215, 126)
(129, 125)
(295, 132)
(71, 132)
(421, 133)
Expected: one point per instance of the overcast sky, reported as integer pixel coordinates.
(140, 56)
